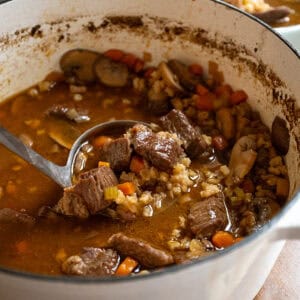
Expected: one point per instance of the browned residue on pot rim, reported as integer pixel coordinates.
(168, 31)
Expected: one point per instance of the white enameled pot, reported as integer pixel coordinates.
(35, 33)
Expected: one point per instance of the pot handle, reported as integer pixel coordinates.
(288, 227)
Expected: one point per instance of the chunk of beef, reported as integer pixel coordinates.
(147, 255)
(177, 122)
(117, 152)
(92, 262)
(72, 204)
(91, 185)
(162, 152)
(9, 217)
(87, 195)
(208, 216)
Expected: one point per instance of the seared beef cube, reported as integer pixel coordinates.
(9, 217)
(92, 262)
(146, 254)
(162, 152)
(177, 122)
(208, 216)
(72, 204)
(117, 153)
(91, 185)
(87, 195)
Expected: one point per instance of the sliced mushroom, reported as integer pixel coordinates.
(69, 113)
(63, 133)
(280, 136)
(274, 14)
(185, 77)
(242, 159)
(169, 77)
(110, 73)
(79, 63)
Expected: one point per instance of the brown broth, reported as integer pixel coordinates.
(33, 190)
(23, 188)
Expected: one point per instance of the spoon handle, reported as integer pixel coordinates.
(59, 174)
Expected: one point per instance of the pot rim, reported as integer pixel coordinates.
(179, 267)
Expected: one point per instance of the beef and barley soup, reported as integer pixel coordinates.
(197, 173)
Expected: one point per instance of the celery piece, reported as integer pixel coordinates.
(110, 193)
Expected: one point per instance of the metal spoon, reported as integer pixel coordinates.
(61, 174)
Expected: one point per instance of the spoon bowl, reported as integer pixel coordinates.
(62, 174)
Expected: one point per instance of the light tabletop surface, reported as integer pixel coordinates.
(283, 282)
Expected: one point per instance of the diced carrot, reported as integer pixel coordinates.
(222, 239)
(127, 266)
(238, 97)
(205, 102)
(100, 140)
(196, 69)
(103, 164)
(138, 66)
(127, 188)
(219, 142)
(114, 54)
(148, 72)
(22, 247)
(248, 186)
(137, 164)
(129, 60)
(201, 90)
(223, 91)
(238, 239)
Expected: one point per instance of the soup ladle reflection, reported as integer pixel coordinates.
(62, 174)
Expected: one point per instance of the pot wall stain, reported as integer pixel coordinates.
(168, 30)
